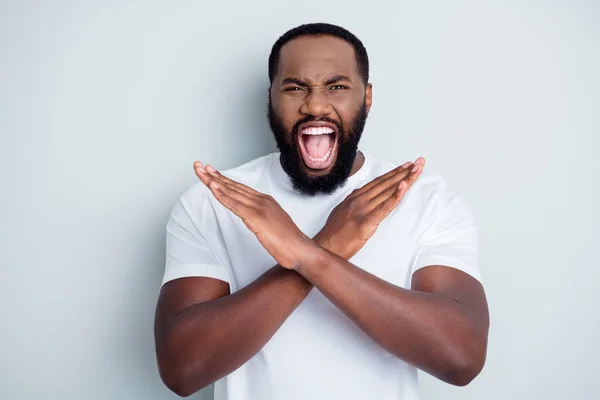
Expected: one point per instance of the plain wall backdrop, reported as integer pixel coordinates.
(105, 105)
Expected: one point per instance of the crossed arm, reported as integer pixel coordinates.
(203, 333)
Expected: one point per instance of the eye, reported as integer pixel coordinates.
(339, 87)
(292, 89)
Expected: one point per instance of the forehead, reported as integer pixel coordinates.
(317, 57)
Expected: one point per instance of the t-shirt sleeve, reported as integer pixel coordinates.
(187, 251)
(453, 239)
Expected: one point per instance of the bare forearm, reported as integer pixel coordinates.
(432, 332)
(209, 340)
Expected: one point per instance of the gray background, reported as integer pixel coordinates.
(105, 105)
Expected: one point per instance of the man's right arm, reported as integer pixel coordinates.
(204, 333)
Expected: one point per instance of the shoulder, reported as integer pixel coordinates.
(430, 183)
(252, 172)
(430, 193)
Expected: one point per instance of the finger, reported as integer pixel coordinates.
(240, 204)
(400, 169)
(390, 191)
(416, 171)
(208, 174)
(383, 196)
(387, 185)
(418, 162)
(240, 187)
(231, 189)
(237, 192)
(202, 174)
(212, 171)
(231, 186)
(381, 210)
(387, 175)
(231, 192)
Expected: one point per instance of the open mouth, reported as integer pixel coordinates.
(318, 144)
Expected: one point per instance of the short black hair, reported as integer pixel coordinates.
(321, 29)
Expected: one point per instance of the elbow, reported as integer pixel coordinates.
(179, 390)
(465, 368)
(179, 378)
(462, 376)
(177, 386)
(465, 357)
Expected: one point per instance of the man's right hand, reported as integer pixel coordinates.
(355, 220)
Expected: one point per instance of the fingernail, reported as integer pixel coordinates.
(401, 185)
(215, 185)
(198, 165)
(211, 170)
(415, 168)
(406, 164)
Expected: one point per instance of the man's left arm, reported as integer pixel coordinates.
(440, 325)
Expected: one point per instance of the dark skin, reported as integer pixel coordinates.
(319, 77)
(204, 333)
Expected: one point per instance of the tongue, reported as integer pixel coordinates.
(317, 145)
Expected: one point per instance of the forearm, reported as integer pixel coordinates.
(209, 340)
(432, 332)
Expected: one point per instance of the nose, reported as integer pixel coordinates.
(316, 104)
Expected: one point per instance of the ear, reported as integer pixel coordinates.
(369, 96)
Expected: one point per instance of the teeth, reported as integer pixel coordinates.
(317, 130)
(322, 159)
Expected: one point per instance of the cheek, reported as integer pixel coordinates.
(346, 112)
(347, 99)
(286, 112)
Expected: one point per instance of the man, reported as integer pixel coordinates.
(315, 273)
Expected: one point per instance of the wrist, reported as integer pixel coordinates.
(324, 240)
(329, 243)
(289, 278)
(312, 259)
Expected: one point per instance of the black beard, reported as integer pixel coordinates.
(291, 158)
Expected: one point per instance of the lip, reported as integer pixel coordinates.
(318, 165)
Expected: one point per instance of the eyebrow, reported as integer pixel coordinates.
(331, 80)
(294, 81)
(338, 78)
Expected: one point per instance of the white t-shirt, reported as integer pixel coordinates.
(319, 353)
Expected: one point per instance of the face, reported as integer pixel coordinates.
(318, 106)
